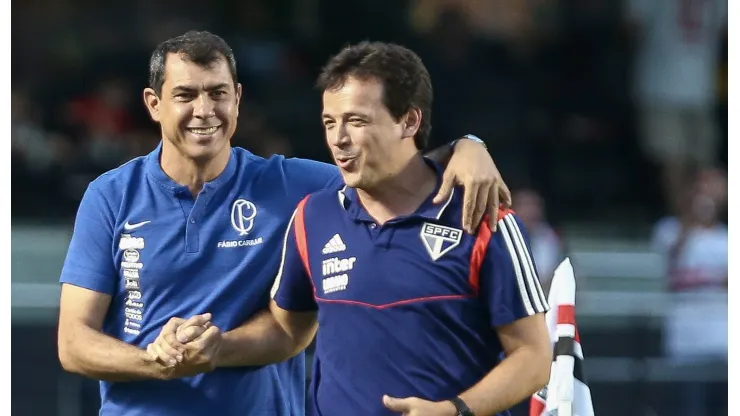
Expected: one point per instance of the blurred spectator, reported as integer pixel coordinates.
(695, 247)
(102, 119)
(547, 248)
(39, 159)
(33, 147)
(29, 141)
(676, 84)
(105, 110)
(695, 243)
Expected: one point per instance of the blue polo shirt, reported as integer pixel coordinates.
(143, 239)
(404, 309)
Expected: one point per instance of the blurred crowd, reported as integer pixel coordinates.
(602, 108)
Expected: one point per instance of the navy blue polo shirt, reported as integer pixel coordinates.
(143, 239)
(407, 308)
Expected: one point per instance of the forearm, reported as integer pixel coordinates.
(96, 355)
(260, 341)
(516, 378)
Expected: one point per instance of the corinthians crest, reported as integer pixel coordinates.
(439, 240)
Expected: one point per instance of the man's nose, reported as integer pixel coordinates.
(204, 107)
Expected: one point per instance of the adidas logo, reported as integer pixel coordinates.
(335, 245)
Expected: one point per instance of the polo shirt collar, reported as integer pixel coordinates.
(154, 169)
(349, 200)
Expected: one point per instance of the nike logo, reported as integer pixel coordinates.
(129, 227)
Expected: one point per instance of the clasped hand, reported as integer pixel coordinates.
(186, 347)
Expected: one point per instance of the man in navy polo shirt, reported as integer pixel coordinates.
(414, 313)
(185, 242)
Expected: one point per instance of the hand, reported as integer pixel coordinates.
(472, 167)
(200, 355)
(414, 406)
(193, 328)
(169, 346)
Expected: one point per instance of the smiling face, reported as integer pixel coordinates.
(197, 108)
(367, 143)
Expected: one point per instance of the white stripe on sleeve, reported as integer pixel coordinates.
(529, 285)
(276, 283)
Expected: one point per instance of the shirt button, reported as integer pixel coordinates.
(373, 225)
(192, 220)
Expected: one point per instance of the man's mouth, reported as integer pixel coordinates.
(344, 161)
(203, 131)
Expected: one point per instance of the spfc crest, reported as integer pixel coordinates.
(439, 240)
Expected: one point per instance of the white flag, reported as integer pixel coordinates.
(567, 393)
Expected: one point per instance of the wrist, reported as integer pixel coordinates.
(165, 373)
(156, 369)
(448, 408)
(461, 407)
(221, 358)
(469, 138)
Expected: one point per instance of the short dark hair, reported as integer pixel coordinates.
(405, 79)
(201, 47)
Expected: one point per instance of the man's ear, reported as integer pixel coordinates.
(412, 122)
(238, 97)
(152, 101)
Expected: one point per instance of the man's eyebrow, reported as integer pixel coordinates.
(351, 114)
(346, 115)
(191, 88)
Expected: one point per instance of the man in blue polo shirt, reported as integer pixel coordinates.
(185, 242)
(414, 313)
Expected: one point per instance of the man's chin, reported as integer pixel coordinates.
(202, 153)
(353, 180)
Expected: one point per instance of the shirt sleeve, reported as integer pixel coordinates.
(293, 289)
(308, 176)
(89, 262)
(509, 284)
